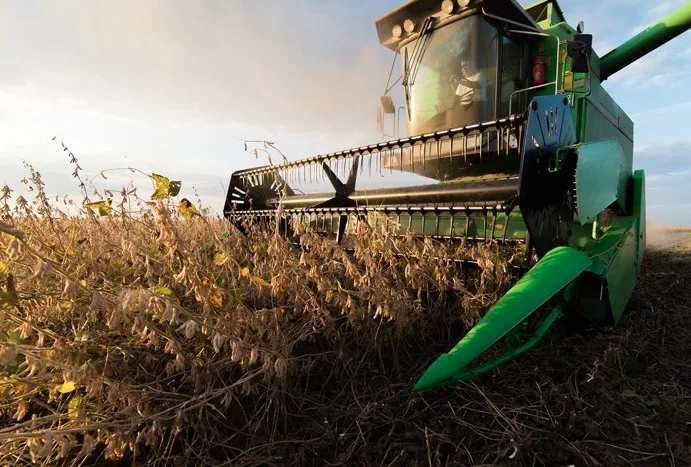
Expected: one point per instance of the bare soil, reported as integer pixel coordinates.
(668, 238)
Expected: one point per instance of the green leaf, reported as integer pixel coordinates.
(163, 292)
(66, 387)
(102, 206)
(73, 407)
(187, 209)
(628, 394)
(174, 188)
(14, 337)
(64, 305)
(5, 300)
(164, 187)
(317, 429)
(652, 402)
(14, 367)
(220, 259)
(226, 234)
(159, 194)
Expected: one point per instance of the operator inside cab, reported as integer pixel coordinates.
(453, 76)
(461, 82)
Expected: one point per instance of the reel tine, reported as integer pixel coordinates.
(451, 149)
(412, 157)
(484, 215)
(494, 221)
(479, 145)
(424, 154)
(467, 223)
(465, 149)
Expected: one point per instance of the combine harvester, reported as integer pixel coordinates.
(513, 139)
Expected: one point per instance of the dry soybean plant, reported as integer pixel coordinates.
(170, 335)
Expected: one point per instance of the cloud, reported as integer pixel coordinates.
(662, 110)
(168, 85)
(255, 62)
(659, 68)
(663, 8)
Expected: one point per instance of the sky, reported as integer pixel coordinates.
(172, 87)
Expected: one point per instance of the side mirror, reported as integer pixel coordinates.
(387, 104)
(386, 107)
(580, 49)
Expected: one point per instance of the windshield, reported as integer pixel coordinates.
(454, 80)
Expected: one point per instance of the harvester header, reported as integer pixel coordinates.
(512, 141)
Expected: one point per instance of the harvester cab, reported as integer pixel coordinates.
(512, 139)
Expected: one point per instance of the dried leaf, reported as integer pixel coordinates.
(259, 281)
(216, 299)
(66, 387)
(245, 272)
(10, 296)
(22, 408)
(8, 354)
(217, 342)
(3, 267)
(187, 209)
(103, 207)
(189, 328)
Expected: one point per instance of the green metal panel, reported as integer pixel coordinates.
(604, 248)
(548, 277)
(622, 271)
(601, 178)
(646, 41)
(605, 288)
(604, 119)
(546, 12)
(638, 210)
(599, 118)
(498, 226)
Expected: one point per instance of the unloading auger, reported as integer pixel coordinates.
(514, 139)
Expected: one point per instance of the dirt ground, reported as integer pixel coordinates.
(584, 397)
(668, 238)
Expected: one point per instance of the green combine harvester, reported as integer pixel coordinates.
(512, 139)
